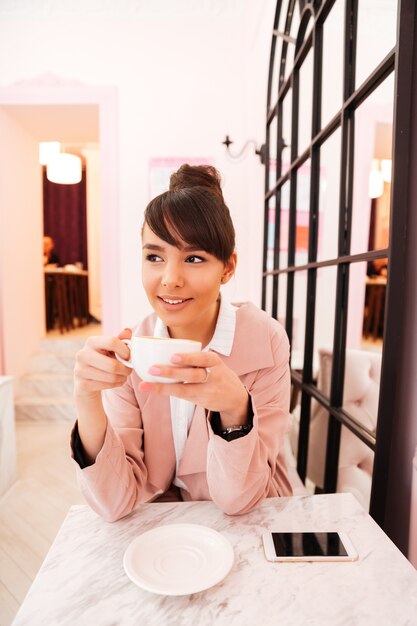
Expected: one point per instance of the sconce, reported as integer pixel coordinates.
(259, 150)
(380, 173)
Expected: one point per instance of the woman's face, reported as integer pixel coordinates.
(182, 285)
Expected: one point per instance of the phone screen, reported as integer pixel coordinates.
(308, 544)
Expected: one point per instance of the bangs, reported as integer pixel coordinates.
(195, 217)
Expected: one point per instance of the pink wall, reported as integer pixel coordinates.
(21, 268)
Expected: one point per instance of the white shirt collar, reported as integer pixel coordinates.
(224, 334)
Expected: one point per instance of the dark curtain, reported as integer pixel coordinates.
(65, 219)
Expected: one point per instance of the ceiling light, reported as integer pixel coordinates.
(386, 169)
(376, 182)
(64, 169)
(48, 150)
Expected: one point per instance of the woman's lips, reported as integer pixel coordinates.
(173, 304)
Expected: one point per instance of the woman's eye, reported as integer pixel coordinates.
(153, 258)
(194, 259)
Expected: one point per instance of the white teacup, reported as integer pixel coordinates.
(148, 351)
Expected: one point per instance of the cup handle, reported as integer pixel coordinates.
(119, 358)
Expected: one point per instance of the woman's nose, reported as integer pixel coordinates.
(172, 276)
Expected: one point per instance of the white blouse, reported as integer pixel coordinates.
(182, 411)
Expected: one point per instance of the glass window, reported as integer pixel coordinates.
(324, 325)
(305, 106)
(376, 35)
(295, 24)
(285, 216)
(271, 234)
(273, 142)
(366, 305)
(299, 319)
(327, 245)
(269, 288)
(282, 298)
(372, 170)
(275, 72)
(363, 362)
(332, 69)
(302, 213)
(286, 131)
(281, 30)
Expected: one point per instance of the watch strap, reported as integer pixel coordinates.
(233, 432)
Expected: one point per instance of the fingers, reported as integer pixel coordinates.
(92, 373)
(108, 344)
(179, 390)
(183, 374)
(96, 367)
(197, 359)
(106, 363)
(125, 334)
(191, 368)
(85, 387)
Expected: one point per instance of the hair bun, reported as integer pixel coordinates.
(196, 176)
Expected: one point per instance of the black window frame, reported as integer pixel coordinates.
(401, 62)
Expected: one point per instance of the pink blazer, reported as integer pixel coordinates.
(137, 461)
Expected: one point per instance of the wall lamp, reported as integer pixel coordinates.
(381, 172)
(259, 150)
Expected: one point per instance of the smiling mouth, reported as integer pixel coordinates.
(174, 300)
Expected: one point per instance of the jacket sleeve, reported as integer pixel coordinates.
(242, 472)
(118, 478)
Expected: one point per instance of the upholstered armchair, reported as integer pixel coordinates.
(361, 392)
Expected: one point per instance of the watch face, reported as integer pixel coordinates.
(234, 432)
(232, 429)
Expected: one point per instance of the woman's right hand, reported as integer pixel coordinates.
(96, 367)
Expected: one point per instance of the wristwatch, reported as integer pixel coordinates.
(234, 432)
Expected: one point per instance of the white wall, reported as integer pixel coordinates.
(185, 74)
(180, 71)
(259, 23)
(94, 224)
(23, 312)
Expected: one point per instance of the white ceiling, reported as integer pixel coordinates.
(65, 123)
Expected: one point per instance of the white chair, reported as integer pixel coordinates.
(361, 392)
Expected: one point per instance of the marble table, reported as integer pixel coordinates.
(82, 580)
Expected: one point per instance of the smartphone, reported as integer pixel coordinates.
(311, 546)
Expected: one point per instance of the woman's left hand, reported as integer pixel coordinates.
(210, 383)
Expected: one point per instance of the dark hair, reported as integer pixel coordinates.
(194, 211)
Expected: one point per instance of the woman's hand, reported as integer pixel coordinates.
(210, 383)
(96, 367)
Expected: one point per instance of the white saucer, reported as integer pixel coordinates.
(178, 559)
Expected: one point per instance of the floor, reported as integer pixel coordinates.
(32, 511)
(76, 333)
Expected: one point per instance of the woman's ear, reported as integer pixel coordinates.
(229, 268)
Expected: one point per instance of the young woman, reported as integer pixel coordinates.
(218, 437)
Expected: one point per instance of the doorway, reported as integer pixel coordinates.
(56, 97)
